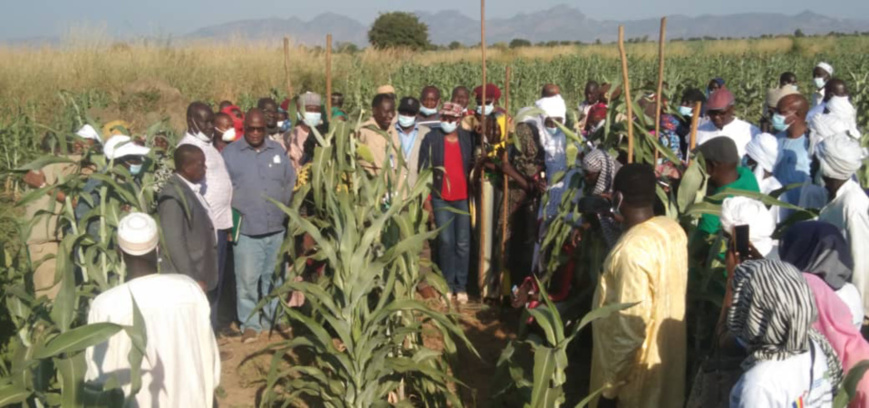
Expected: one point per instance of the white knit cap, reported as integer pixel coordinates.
(137, 234)
(747, 211)
(553, 106)
(763, 149)
(88, 132)
(120, 146)
(826, 67)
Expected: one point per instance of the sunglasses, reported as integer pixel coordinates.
(255, 129)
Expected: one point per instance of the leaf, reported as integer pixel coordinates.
(13, 394)
(64, 305)
(71, 371)
(44, 161)
(601, 313)
(78, 339)
(544, 368)
(767, 200)
(139, 340)
(848, 389)
(692, 182)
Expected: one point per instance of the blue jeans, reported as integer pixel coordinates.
(255, 262)
(454, 242)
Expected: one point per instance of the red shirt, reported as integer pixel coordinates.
(455, 186)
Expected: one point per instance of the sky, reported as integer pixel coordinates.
(128, 18)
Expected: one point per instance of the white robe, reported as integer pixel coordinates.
(849, 211)
(740, 131)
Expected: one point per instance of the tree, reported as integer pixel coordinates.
(799, 33)
(455, 45)
(519, 42)
(398, 29)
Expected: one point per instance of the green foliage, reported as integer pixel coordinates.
(519, 42)
(398, 30)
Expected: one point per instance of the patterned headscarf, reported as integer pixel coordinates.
(772, 313)
(818, 248)
(599, 161)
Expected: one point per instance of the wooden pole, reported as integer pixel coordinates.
(695, 120)
(505, 202)
(659, 94)
(481, 278)
(328, 77)
(627, 86)
(288, 84)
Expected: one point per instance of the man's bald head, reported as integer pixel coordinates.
(200, 118)
(550, 90)
(795, 103)
(835, 87)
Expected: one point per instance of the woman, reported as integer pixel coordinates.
(449, 151)
(600, 170)
(819, 248)
(770, 311)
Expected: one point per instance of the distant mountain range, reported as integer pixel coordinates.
(560, 23)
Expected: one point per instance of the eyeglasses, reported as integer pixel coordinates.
(255, 129)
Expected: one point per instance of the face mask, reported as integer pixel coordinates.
(449, 127)
(686, 111)
(489, 108)
(312, 119)
(778, 123)
(284, 125)
(428, 111)
(229, 135)
(819, 82)
(135, 169)
(406, 121)
(552, 130)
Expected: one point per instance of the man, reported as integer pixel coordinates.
(638, 358)
(270, 109)
(259, 169)
(337, 113)
(793, 164)
(188, 233)
(834, 87)
(773, 96)
(723, 123)
(839, 116)
(379, 135)
(181, 367)
(722, 166)
(224, 131)
(550, 90)
(462, 96)
(410, 135)
(820, 75)
(309, 113)
(788, 79)
(430, 99)
(737, 211)
(592, 96)
(840, 157)
(201, 128)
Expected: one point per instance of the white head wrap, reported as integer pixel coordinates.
(120, 146)
(553, 106)
(137, 234)
(88, 132)
(826, 67)
(840, 156)
(747, 211)
(763, 149)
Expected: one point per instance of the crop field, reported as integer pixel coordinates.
(365, 337)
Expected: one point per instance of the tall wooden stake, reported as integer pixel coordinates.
(481, 278)
(505, 203)
(328, 77)
(695, 120)
(659, 94)
(288, 84)
(628, 100)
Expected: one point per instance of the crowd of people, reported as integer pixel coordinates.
(793, 308)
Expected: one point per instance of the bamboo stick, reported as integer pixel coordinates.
(328, 77)
(288, 83)
(627, 87)
(660, 91)
(481, 278)
(505, 203)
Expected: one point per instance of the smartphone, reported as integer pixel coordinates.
(741, 243)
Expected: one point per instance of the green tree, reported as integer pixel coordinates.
(799, 33)
(455, 45)
(398, 29)
(519, 42)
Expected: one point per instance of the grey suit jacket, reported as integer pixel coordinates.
(413, 160)
(189, 242)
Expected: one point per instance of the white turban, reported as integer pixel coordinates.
(88, 132)
(840, 156)
(763, 149)
(137, 234)
(553, 106)
(826, 67)
(747, 211)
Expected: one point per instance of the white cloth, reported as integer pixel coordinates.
(181, 367)
(768, 185)
(88, 132)
(555, 160)
(851, 297)
(849, 211)
(740, 131)
(840, 156)
(785, 383)
(818, 97)
(763, 149)
(747, 211)
(121, 146)
(842, 118)
(815, 111)
(826, 67)
(553, 106)
(218, 190)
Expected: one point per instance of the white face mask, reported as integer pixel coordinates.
(489, 109)
(406, 121)
(449, 127)
(199, 135)
(819, 83)
(228, 135)
(312, 119)
(428, 111)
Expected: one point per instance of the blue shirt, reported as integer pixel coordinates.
(793, 164)
(407, 139)
(256, 175)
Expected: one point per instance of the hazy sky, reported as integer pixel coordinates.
(33, 18)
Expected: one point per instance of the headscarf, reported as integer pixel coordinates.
(599, 161)
(763, 149)
(818, 248)
(493, 93)
(840, 156)
(553, 106)
(773, 311)
(844, 338)
(747, 211)
(237, 123)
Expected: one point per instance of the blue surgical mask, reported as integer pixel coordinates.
(778, 123)
(686, 111)
(819, 82)
(552, 130)
(135, 169)
(312, 119)
(406, 121)
(489, 109)
(428, 111)
(449, 127)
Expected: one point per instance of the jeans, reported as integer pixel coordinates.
(454, 242)
(214, 295)
(255, 262)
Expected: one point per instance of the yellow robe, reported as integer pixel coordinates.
(639, 353)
